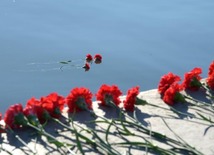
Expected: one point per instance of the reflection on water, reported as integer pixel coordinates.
(139, 40)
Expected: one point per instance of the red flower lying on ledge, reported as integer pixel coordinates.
(166, 81)
(211, 69)
(13, 116)
(210, 81)
(210, 78)
(131, 97)
(34, 109)
(79, 99)
(108, 95)
(192, 79)
(172, 94)
(54, 104)
(1, 126)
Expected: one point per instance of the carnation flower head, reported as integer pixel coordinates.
(172, 94)
(211, 69)
(79, 99)
(210, 81)
(107, 94)
(86, 67)
(1, 126)
(166, 81)
(14, 117)
(54, 104)
(192, 79)
(89, 58)
(97, 58)
(34, 108)
(130, 100)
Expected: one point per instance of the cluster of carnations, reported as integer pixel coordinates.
(170, 88)
(52, 105)
(97, 59)
(89, 59)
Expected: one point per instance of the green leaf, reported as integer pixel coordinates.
(140, 101)
(20, 119)
(79, 145)
(33, 120)
(205, 118)
(179, 97)
(108, 129)
(195, 83)
(64, 62)
(53, 141)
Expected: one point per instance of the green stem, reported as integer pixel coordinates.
(149, 146)
(177, 112)
(22, 141)
(50, 138)
(192, 149)
(102, 144)
(89, 141)
(197, 101)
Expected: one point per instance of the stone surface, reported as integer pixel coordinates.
(197, 133)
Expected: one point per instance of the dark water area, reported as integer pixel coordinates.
(139, 40)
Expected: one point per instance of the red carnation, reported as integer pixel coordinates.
(173, 95)
(97, 58)
(14, 117)
(130, 100)
(34, 108)
(54, 104)
(211, 69)
(86, 67)
(89, 58)
(166, 81)
(192, 79)
(210, 81)
(79, 99)
(1, 126)
(107, 94)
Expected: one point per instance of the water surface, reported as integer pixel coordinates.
(139, 40)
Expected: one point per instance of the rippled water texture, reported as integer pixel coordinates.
(139, 40)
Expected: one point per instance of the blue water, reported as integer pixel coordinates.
(139, 40)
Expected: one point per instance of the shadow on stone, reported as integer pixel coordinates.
(181, 110)
(138, 115)
(110, 112)
(199, 95)
(83, 117)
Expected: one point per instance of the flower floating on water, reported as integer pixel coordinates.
(108, 95)
(79, 99)
(89, 58)
(192, 79)
(14, 117)
(54, 104)
(131, 97)
(97, 59)
(173, 95)
(87, 61)
(86, 67)
(166, 81)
